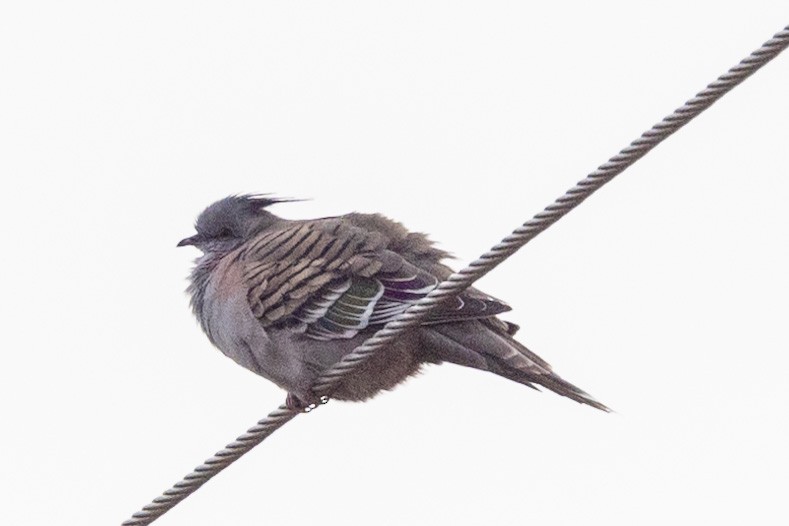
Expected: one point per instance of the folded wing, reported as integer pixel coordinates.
(330, 280)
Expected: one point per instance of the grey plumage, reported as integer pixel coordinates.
(287, 299)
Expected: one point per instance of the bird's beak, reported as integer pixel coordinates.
(189, 241)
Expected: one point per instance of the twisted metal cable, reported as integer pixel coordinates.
(459, 281)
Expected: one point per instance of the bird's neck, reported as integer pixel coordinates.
(199, 282)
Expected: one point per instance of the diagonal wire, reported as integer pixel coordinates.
(459, 281)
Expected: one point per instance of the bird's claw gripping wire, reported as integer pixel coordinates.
(296, 404)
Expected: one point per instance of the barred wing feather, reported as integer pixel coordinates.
(330, 280)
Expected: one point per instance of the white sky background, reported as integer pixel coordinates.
(665, 295)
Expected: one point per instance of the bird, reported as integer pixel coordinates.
(287, 299)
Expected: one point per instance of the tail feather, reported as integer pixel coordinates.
(481, 346)
(562, 387)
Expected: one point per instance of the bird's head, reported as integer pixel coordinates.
(230, 221)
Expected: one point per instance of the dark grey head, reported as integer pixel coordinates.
(229, 221)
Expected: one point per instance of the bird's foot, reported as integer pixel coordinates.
(294, 403)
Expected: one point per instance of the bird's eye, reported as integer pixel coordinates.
(225, 232)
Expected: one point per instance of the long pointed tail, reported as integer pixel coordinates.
(558, 385)
(482, 346)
